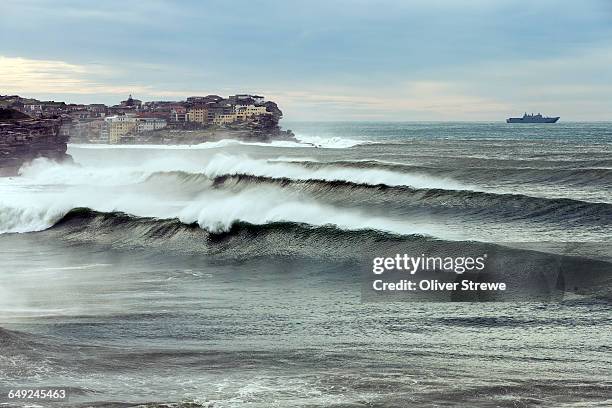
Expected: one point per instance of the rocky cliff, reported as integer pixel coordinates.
(23, 139)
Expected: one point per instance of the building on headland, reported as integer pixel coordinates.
(34, 109)
(197, 114)
(203, 99)
(85, 130)
(224, 119)
(219, 112)
(118, 126)
(97, 110)
(150, 124)
(43, 109)
(80, 114)
(178, 114)
(246, 112)
(246, 99)
(104, 136)
(131, 102)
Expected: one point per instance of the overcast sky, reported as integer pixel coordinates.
(320, 60)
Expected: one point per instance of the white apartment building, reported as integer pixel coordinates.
(148, 124)
(244, 112)
(33, 108)
(115, 127)
(224, 119)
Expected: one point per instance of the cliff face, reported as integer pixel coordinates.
(23, 139)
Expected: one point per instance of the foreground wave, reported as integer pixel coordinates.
(241, 239)
(523, 268)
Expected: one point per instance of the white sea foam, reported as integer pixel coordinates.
(218, 211)
(302, 141)
(331, 142)
(43, 172)
(206, 145)
(36, 211)
(46, 191)
(27, 218)
(222, 164)
(310, 160)
(213, 210)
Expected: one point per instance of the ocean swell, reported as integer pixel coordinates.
(579, 176)
(230, 165)
(429, 200)
(43, 172)
(240, 239)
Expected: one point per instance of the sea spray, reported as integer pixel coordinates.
(46, 172)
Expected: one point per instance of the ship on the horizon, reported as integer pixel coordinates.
(533, 119)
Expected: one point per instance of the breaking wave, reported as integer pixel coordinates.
(240, 239)
(230, 189)
(244, 240)
(513, 206)
(301, 142)
(205, 145)
(331, 142)
(215, 211)
(582, 175)
(222, 165)
(45, 172)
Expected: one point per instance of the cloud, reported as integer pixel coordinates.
(96, 82)
(411, 100)
(31, 76)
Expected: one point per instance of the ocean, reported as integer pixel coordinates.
(228, 274)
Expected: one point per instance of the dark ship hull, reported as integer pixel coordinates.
(532, 120)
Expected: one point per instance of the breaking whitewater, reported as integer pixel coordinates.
(228, 273)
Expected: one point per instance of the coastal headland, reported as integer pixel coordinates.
(194, 120)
